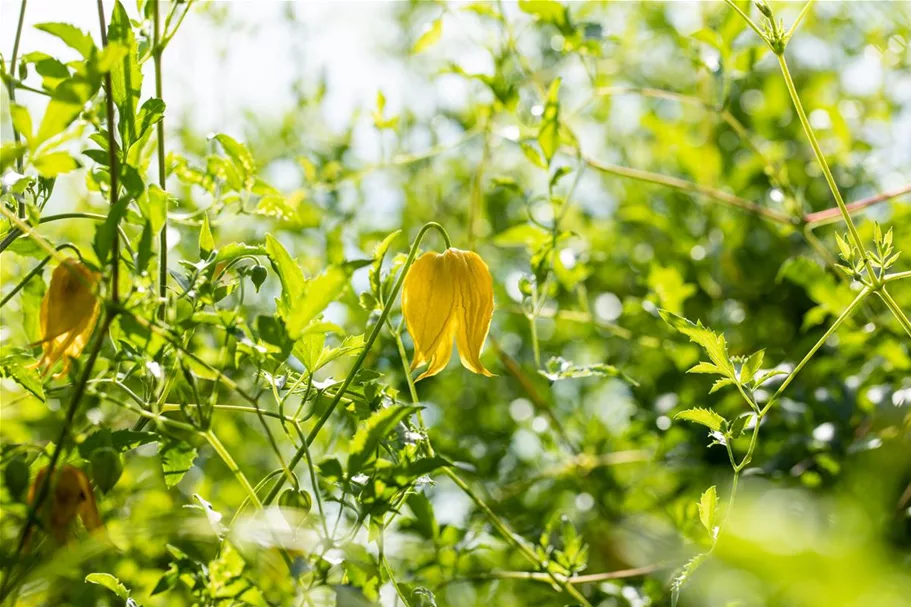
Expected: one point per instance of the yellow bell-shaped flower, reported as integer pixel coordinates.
(448, 297)
(69, 311)
(70, 495)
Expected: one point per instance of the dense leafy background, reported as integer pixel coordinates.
(506, 124)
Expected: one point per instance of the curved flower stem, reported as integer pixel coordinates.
(374, 333)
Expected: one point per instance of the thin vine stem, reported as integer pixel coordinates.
(377, 328)
(12, 97)
(225, 456)
(824, 165)
(112, 162)
(747, 18)
(895, 309)
(683, 185)
(157, 50)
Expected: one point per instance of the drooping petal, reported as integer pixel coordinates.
(69, 311)
(474, 309)
(428, 303)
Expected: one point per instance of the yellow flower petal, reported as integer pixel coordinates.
(70, 495)
(428, 302)
(448, 297)
(69, 311)
(475, 310)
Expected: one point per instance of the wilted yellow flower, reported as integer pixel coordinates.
(69, 311)
(70, 495)
(446, 297)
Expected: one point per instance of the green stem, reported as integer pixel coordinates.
(694, 188)
(112, 162)
(838, 321)
(895, 309)
(162, 178)
(820, 157)
(12, 96)
(896, 276)
(803, 13)
(746, 18)
(273, 493)
(225, 456)
(834, 214)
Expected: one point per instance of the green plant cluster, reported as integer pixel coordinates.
(694, 221)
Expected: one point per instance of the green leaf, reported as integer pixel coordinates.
(708, 505)
(104, 233)
(153, 204)
(206, 241)
(706, 417)
(668, 284)
(55, 163)
(558, 368)
(685, 572)
(739, 424)
(376, 428)
(289, 273)
(713, 344)
(379, 254)
(751, 366)
(21, 119)
(177, 458)
(429, 37)
(240, 155)
(320, 292)
(549, 133)
(295, 211)
(10, 153)
(71, 35)
(151, 112)
(118, 440)
(721, 383)
(524, 234)
(67, 103)
(707, 368)
(548, 11)
(110, 582)
(14, 367)
(533, 155)
(126, 75)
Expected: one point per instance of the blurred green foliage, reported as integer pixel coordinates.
(621, 168)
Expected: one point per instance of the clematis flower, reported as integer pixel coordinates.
(70, 496)
(448, 297)
(69, 311)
